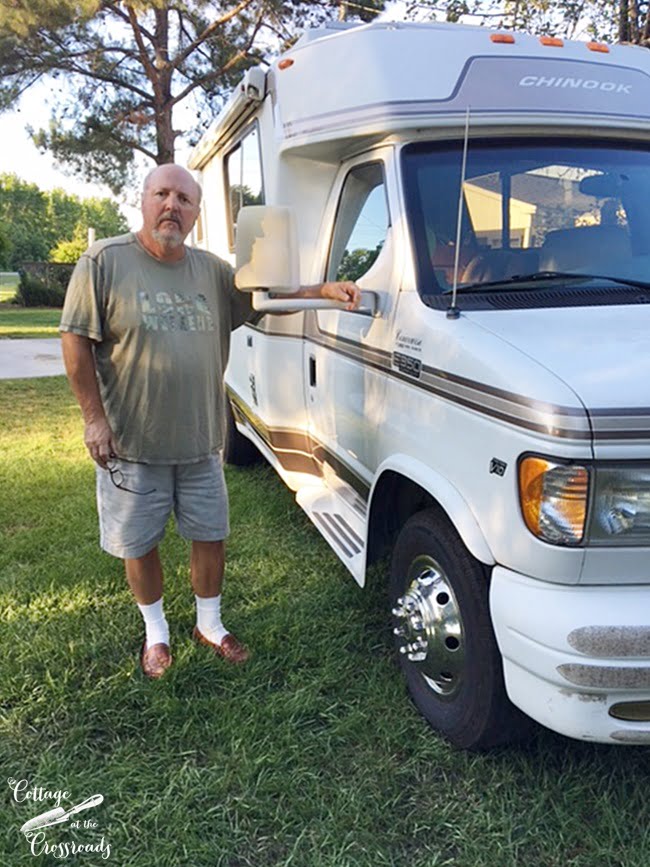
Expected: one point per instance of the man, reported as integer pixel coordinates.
(145, 333)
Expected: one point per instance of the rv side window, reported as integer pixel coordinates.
(361, 223)
(243, 170)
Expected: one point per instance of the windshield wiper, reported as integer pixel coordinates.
(517, 281)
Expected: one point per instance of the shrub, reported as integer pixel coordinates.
(35, 293)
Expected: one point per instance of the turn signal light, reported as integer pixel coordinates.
(553, 499)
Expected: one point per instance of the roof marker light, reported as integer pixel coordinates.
(286, 63)
(552, 40)
(598, 46)
(506, 38)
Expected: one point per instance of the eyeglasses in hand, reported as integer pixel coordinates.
(117, 477)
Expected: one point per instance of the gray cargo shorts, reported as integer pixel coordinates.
(134, 502)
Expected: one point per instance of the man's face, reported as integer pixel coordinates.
(170, 206)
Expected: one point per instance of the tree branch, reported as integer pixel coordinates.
(149, 68)
(115, 9)
(209, 30)
(217, 73)
(132, 143)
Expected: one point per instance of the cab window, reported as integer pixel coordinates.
(361, 223)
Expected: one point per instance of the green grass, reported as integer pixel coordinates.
(311, 755)
(29, 321)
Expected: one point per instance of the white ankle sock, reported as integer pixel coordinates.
(208, 618)
(155, 623)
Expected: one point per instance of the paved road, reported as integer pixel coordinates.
(20, 359)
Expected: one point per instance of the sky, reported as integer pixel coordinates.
(18, 154)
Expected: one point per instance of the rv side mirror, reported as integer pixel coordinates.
(266, 250)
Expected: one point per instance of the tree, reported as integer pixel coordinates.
(5, 249)
(356, 263)
(125, 68)
(613, 20)
(34, 223)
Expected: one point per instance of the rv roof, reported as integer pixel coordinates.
(384, 77)
(388, 77)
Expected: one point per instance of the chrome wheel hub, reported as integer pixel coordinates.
(429, 627)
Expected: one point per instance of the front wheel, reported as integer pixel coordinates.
(444, 636)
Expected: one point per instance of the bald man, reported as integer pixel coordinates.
(145, 332)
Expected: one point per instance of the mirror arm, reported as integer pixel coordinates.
(267, 302)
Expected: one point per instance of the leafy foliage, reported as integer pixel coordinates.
(33, 223)
(127, 67)
(612, 20)
(356, 263)
(34, 293)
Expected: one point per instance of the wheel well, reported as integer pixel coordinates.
(395, 499)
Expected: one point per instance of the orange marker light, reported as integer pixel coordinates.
(552, 40)
(598, 46)
(506, 38)
(286, 63)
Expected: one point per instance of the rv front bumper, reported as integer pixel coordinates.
(576, 659)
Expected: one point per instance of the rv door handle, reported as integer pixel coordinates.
(312, 370)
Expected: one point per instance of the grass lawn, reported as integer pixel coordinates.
(311, 755)
(29, 321)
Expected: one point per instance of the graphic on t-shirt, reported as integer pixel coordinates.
(171, 311)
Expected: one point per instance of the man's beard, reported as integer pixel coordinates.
(170, 238)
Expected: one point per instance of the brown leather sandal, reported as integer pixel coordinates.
(155, 660)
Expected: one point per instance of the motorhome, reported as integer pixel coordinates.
(481, 425)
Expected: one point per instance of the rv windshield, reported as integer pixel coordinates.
(535, 211)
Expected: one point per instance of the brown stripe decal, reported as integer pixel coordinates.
(564, 422)
(297, 451)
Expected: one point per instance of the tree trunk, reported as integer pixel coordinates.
(633, 29)
(165, 135)
(623, 21)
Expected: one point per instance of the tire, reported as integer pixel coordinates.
(444, 636)
(238, 450)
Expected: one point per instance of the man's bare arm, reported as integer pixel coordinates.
(346, 292)
(80, 367)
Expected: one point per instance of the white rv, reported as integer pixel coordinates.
(484, 419)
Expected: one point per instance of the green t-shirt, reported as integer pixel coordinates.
(162, 337)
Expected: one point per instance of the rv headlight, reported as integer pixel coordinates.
(553, 499)
(620, 513)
